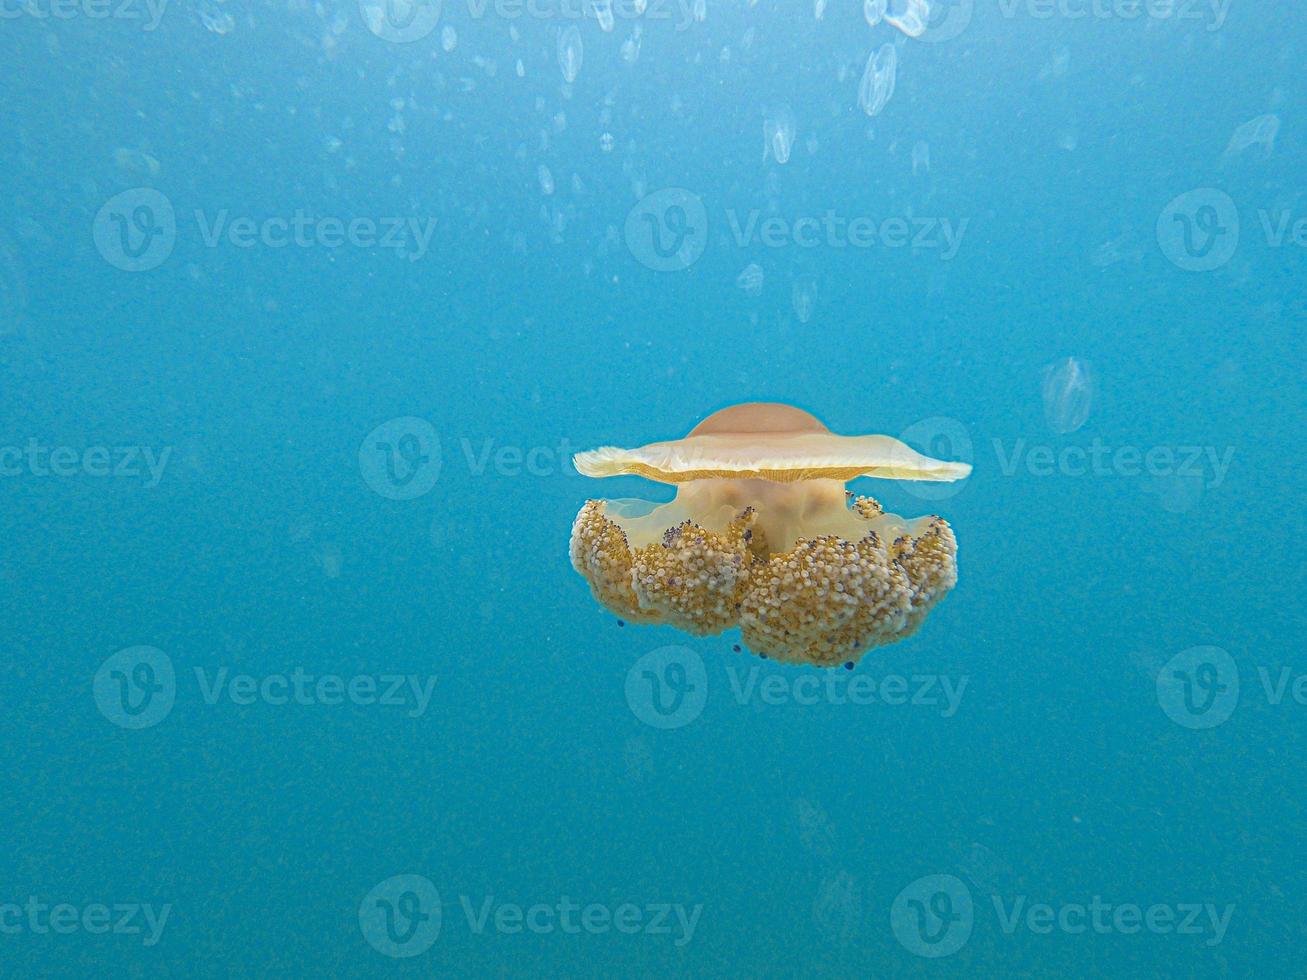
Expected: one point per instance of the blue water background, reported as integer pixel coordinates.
(531, 324)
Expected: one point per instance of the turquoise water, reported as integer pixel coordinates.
(297, 341)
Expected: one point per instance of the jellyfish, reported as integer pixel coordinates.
(763, 535)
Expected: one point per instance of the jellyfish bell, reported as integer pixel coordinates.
(780, 460)
(763, 535)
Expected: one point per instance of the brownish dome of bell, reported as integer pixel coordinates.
(756, 417)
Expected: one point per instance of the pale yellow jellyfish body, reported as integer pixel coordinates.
(762, 535)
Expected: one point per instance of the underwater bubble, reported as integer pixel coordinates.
(804, 297)
(331, 559)
(986, 871)
(1068, 395)
(570, 53)
(1058, 64)
(1124, 248)
(13, 291)
(878, 80)
(638, 756)
(631, 47)
(815, 831)
(920, 158)
(1259, 133)
(837, 909)
(778, 134)
(215, 19)
(135, 164)
(910, 17)
(546, 179)
(750, 279)
(1176, 493)
(819, 9)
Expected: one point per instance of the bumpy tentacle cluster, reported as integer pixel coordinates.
(826, 601)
